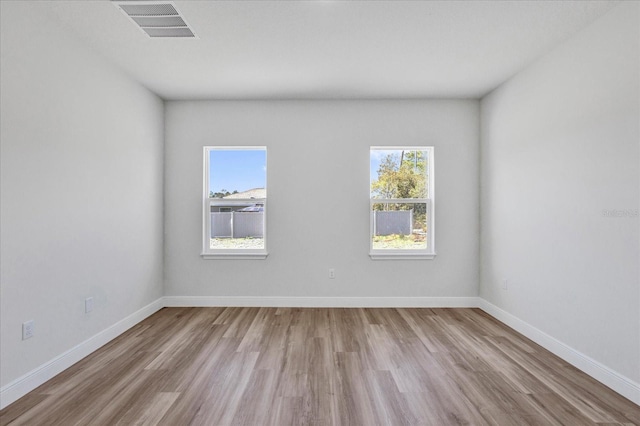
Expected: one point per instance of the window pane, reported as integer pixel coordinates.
(238, 173)
(399, 173)
(235, 200)
(237, 226)
(399, 226)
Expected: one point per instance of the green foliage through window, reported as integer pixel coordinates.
(401, 174)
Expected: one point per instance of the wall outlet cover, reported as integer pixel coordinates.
(88, 305)
(27, 329)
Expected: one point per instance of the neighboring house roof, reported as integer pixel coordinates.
(251, 193)
(253, 208)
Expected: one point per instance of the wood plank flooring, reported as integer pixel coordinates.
(276, 366)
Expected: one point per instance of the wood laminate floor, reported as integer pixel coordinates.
(275, 366)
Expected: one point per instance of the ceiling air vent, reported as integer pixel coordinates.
(156, 18)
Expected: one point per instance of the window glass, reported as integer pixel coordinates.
(401, 207)
(235, 200)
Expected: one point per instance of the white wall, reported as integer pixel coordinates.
(82, 190)
(318, 189)
(560, 145)
(82, 194)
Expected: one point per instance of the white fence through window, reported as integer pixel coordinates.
(399, 222)
(237, 224)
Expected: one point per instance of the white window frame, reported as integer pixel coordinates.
(409, 254)
(207, 251)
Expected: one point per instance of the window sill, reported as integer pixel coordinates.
(234, 256)
(401, 256)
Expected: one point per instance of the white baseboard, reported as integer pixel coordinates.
(622, 385)
(25, 384)
(28, 382)
(322, 302)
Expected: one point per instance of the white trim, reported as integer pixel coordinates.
(28, 382)
(405, 255)
(206, 206)
(36, 377)
(236, 147)
(242, 255)
(400, 147)
(617, 382)
(399, 200)
(417, 254)
(224, 202)
(207, 252)
(322, 302)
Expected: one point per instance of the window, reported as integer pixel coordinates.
(401, 203)
(235, 199)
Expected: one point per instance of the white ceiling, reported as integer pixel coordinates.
(331, 49)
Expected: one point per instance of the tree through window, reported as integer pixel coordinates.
(401, 202)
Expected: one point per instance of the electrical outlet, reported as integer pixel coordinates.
(332, 273)
(505, 284)
(88, 305)
(27, 329)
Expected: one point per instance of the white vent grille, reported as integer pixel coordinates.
(162, 9)
(168, 32)
(156, 18)
(160, 21)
